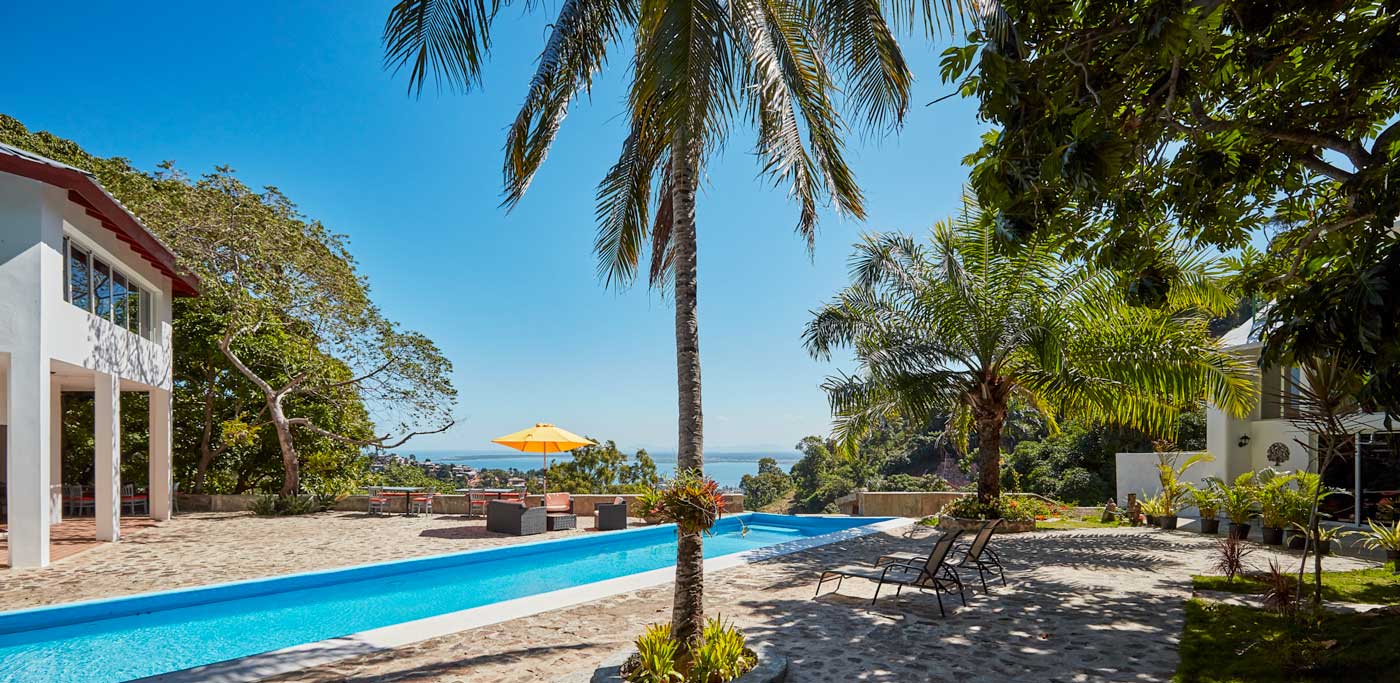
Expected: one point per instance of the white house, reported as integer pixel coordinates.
(85, 306)
(1268, 438)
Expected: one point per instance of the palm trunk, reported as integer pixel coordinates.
(989, 417)
(688, 610)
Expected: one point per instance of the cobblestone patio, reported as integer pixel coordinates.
(1097, 605)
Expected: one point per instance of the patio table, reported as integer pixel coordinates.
(488, 493)
(404, 491)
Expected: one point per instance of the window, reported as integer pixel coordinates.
(79, 270)
(134, 310)
(102, 289)
(94, 286)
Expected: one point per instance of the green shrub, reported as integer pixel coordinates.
(909, 482)
(655, 660)
(721, 656)
(283, 506)
(1009, 508)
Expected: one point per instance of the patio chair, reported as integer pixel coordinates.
(476, 502)
(131, 501)
(78, 504)
(422, 503)
(979, 556)
(506, 517)
(378, 502)
(558, 502)
(610, 516)
(932, 573)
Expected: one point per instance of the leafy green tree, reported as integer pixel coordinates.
(698, 68)
(767, 487)
(602, 468)
(963, 328)
(284, 340)
(1209, 120)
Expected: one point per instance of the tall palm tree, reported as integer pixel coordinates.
(964, 327)
(699, 67)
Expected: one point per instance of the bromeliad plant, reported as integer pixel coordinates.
(721, 655)
(693, 502)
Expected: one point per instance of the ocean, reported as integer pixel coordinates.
(726, 468)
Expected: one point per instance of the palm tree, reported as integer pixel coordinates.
(966, 328)
(698, 68)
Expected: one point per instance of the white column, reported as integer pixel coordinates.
(107, 439)
(27, 461)
(56, 453)
(161, 482)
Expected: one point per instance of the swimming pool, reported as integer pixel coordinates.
(144, 635)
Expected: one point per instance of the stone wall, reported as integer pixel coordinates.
(452, 504)
(903, 503)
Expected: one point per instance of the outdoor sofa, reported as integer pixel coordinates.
(505, 517)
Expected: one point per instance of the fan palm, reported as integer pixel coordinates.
(963, 327)
(698, 67)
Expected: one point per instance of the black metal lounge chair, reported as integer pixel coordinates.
(980, 555)
(929, 573)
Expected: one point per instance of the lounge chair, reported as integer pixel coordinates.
(980, 555)
(610, 516)
(558, 502)
(514, 518)
(931, 573)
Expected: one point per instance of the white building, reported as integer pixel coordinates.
(85, 306)
(1268, 438)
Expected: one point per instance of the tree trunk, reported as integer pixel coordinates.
(688, 610)
(291, 471)
(989, 417)
(206, 451)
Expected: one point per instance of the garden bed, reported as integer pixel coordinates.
(972, 525)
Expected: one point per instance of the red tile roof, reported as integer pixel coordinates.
(85, 191)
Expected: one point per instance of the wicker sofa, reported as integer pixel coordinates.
(505, 517)
(610, 516)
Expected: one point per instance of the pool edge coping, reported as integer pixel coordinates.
(298, 657)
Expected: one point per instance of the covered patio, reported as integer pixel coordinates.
(88, 505)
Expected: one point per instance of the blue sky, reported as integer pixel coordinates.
(292, 94)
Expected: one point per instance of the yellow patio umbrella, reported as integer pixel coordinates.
(544, 438)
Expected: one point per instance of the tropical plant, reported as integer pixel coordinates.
(1187, 114)
(964, 328)
(1276, 496)
(723, 655)
(1280, 590)
(690, 500)
(1174, 491)
(1009, 508)
(696, 67)
(1230, 557)
(656, 659)
(1381, 537)
(1206, 499)
(1240, 500)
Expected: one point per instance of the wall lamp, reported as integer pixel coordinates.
(1244, 441)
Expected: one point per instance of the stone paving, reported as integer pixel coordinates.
(1094, 605)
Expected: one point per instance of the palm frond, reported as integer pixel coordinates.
(450, 38)
(576, 49)
(864, 51)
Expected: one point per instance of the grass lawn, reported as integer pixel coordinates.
(1377, 586)
(1233, 644)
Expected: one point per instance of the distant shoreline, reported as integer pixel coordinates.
(726, 468)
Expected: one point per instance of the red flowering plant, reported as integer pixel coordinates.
(691, 500)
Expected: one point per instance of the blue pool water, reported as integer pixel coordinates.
(143, 635)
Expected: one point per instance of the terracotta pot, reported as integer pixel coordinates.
(1273, 535)
(1210, 525)
(1239, 531)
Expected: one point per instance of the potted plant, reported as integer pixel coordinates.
(1322, 543)
(1151, 508)
(1238, 502)
(1174, 491)
(1207, 502)
(1276, 500)
(1300, 504)
(1385, 538)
